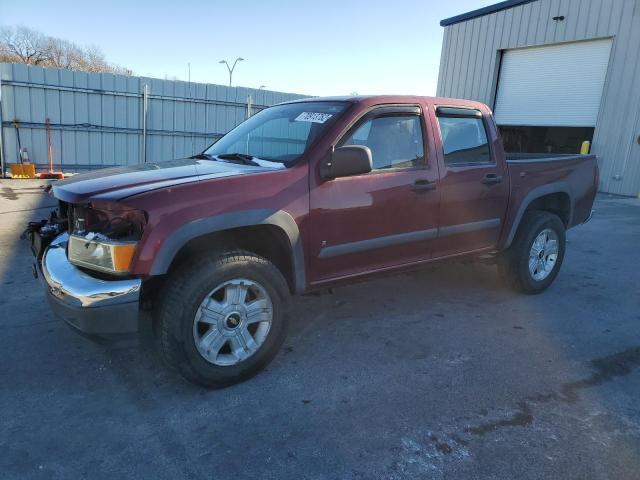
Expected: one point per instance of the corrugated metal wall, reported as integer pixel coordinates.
(471, 57)
(96, 119)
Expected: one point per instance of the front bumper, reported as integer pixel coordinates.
(91, 305)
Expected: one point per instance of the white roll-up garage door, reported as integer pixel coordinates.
(555, 85)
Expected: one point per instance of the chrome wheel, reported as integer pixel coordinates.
(543, 254)
(232, 322)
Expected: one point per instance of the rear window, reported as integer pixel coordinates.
(464, 140)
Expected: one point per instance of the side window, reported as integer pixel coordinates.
(464, 140)
(395, 141)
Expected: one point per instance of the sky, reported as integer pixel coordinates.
(324, 47)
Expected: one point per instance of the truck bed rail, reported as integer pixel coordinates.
(543, 157)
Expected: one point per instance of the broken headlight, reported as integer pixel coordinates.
(105, 240)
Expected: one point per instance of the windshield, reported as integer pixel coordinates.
(281, 133)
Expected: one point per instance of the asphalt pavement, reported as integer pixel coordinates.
(439, 374)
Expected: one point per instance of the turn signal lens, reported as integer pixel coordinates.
(122, 256)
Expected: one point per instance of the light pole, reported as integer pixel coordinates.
(239, 59)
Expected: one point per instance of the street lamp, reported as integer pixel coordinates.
(239, 59)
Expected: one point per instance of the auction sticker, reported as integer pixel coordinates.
(313, 117)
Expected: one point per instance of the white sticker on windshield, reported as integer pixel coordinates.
(313, 117)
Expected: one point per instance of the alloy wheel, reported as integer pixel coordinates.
(543, 254)
(232, 322)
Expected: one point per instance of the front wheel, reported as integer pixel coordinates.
(223, 317)
(534, 258)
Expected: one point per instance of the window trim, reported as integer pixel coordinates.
(390, 110)
(456, 111)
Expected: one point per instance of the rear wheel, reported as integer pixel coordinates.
(534, 258)
(223, 318)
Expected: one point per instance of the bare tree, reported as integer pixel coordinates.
(24, 45)
(62, 54)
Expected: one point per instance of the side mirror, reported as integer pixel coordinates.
(347, 161)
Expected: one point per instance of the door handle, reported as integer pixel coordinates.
(423, 185)
(491, 179)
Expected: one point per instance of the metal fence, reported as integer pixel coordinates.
(101, 120)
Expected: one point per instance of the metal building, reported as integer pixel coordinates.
(102, 120)
(555, 72)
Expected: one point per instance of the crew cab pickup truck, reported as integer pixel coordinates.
(302, 196)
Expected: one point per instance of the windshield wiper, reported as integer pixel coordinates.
(202, 156)
(242, 157)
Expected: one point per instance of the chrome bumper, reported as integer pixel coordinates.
(91, 305)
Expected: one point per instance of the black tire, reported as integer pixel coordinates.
(513, 264)
(180, 300)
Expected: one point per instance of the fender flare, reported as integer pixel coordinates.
(226, 221)
(556, 187)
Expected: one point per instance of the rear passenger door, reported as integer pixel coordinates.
(473, 183)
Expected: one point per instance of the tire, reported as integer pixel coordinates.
(192, 307)
(514, 263)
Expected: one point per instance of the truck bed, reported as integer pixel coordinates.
(575, 175)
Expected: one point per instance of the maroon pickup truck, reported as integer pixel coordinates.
(302, 196)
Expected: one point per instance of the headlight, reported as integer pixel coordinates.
(100, 253)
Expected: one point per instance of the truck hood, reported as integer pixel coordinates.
(120, 182)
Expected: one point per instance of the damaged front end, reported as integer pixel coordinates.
(41, 234)
(103, 240)
(84, 254)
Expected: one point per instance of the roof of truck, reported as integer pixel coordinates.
(373, 99)
(342, 98)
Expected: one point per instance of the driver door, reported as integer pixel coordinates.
(385, 218)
